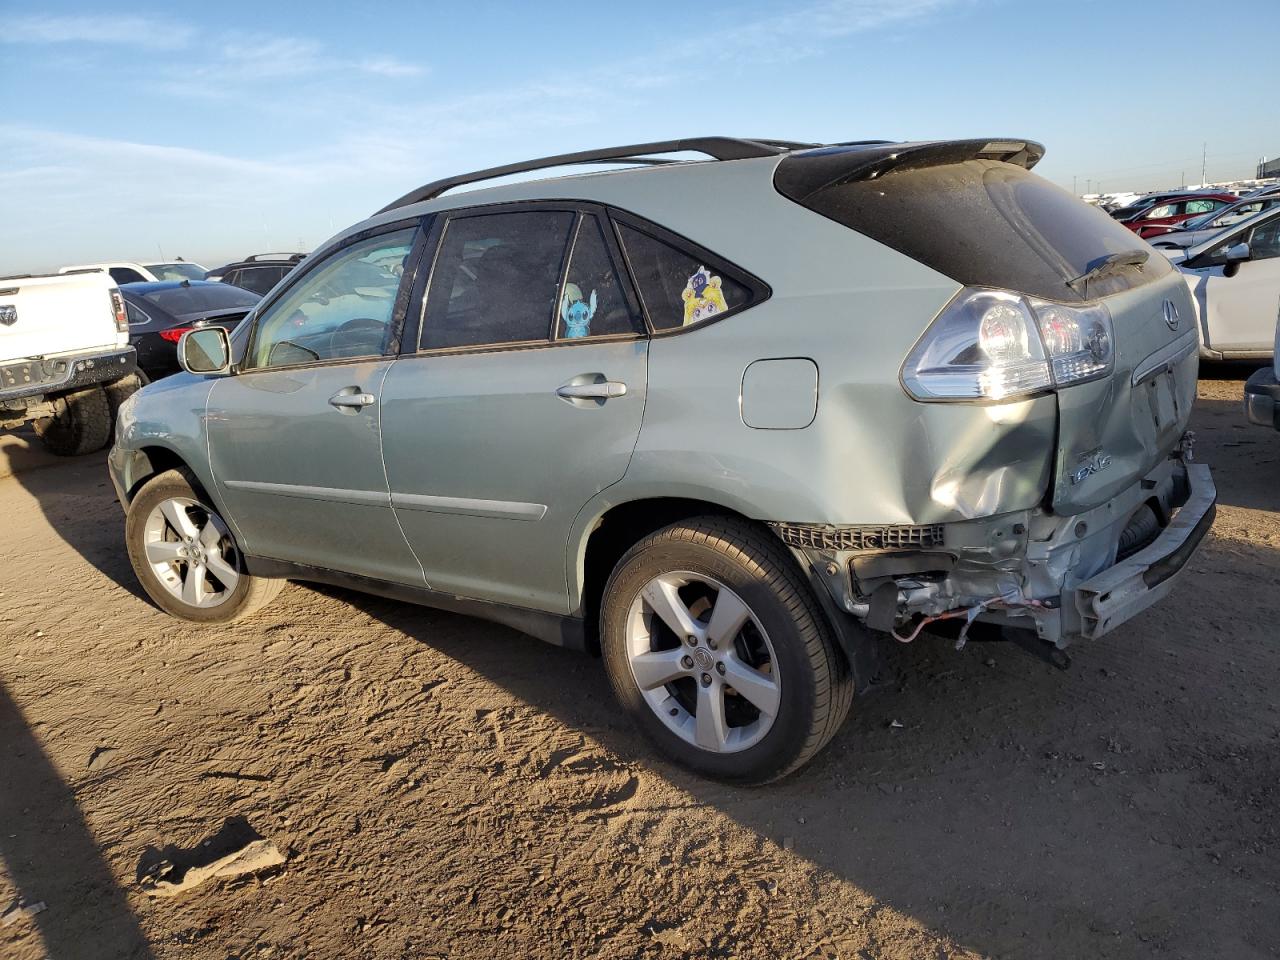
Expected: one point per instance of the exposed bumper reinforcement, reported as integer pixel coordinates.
(1124, 590)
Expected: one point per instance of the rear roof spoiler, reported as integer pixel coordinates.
(802, 173)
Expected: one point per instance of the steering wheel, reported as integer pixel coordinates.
(351, 332)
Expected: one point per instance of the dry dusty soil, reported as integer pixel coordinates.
(443, 787)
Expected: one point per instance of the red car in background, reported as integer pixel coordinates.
(1160, 217)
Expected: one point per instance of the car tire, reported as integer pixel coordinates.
(118, 391)
(185, 556)
(81, 423)
(794, 667)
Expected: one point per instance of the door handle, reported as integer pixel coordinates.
(352, 400)
(604, 390)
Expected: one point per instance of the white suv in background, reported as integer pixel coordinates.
(128, 271)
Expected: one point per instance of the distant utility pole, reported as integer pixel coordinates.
(1184, 178)
(1086, 186)
(1204, 162)
(1073, 186)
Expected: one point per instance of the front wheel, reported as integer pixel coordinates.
(185, 555)
(715, 646)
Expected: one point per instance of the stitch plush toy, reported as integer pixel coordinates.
(576, 313)
(702, 297)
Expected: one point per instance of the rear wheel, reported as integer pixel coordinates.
(81, 423)
(185, 555)
(118, 391)
(715, 646)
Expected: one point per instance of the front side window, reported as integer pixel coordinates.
(678, 289)
(339, 310)
(593, 302)
(1264, 241)
(1164, 210)
(495, 279)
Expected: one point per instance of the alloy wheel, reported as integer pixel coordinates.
(190, 551)
(703, 662)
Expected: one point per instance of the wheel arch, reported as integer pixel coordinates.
(142, 464)
(607, 534)
(613, 529)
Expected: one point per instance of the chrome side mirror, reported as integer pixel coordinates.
(205, 351)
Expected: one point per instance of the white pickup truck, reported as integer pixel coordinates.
(65, 360)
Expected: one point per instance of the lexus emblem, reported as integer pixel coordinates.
(8, 314)
(1171, 317)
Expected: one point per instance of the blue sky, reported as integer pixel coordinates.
(216, 130)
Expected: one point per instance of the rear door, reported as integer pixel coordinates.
(295, 436)
(519, 399)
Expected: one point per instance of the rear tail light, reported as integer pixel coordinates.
(117, 308)
(174, 334)
(996, 345)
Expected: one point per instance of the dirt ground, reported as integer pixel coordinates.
(444, 787)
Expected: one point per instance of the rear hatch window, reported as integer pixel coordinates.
(989, 223)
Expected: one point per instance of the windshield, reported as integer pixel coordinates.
(201, 298)
(176, 271)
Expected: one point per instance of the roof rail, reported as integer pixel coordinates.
(256, 257)
(718, 148)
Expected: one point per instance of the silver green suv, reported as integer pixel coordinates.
(734, 421)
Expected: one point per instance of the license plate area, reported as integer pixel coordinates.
(34, 373)
(1164, 404)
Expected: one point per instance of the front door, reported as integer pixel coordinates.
(1240, 301)
(522, 401)
(295, 435)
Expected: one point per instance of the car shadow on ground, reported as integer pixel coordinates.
(40, 824)
(1005, 803)
(57, 487)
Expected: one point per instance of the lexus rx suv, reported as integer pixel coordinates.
(733, 423)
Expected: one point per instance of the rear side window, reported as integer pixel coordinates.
(988, 223)
(495, 279)
(126, 275)
(678, 288)
(259, 280)
(593, 302)
(136, 316)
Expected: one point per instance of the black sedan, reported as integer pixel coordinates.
(160, 313)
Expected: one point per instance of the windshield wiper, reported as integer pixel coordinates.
(1108, 265)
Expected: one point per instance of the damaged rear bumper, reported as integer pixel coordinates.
(1062, 577)
(1109, 598)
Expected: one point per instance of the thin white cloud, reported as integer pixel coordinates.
(124, 30)
(390, 67)
(370, 147)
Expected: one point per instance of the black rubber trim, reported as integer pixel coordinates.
(560, 631)
(1166, 567)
